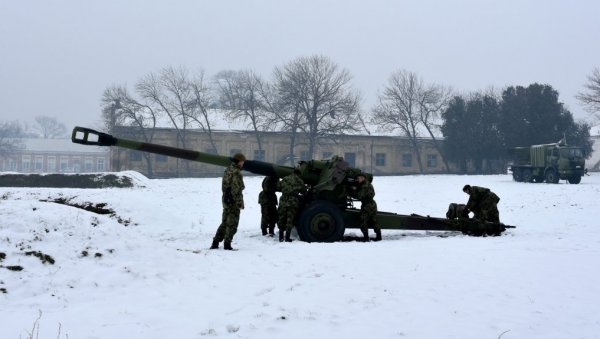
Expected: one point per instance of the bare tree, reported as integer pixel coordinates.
(49, 127)
(170, 93)
(10, 138)
(590, 98)
(241, 94)
(119, 108)
(317, 98)
(434, 101)
(200, 106)
(400, 108)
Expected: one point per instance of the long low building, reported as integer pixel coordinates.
(55, 156)
(380, 155)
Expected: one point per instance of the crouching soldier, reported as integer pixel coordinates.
(483, 203)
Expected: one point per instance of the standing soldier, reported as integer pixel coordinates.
(291, 187)
(268, 205)
(365, 192)
(232, 186)
(483, 203)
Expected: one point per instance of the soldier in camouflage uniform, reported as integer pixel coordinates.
(268, 205)
(365, 192)
(483, 203)
(292, 188)
(232, 186)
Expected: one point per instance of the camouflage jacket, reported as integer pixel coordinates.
(478, 195)
(232, 186)
(365, 192)
(267, 195)
(291, 186)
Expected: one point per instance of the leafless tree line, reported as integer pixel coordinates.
(311, 98)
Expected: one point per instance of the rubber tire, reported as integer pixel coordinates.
(321, 221)
(574, 180)
(517, 175)
(551, 177)
(527, 176)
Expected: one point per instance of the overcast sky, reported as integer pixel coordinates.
(57, 57)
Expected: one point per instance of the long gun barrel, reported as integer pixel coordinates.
(88, 136)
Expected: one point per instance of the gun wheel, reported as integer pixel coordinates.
(321, 221)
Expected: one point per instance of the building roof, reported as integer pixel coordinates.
(60, 145)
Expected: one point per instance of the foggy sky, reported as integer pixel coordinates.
(57, 57)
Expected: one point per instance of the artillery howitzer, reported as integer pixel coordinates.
(327, 210)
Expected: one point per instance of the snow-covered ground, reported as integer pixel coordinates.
(145, 272)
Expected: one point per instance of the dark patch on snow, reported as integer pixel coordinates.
(13, 268)
(45, 258)
(65, 180)
(98, 208)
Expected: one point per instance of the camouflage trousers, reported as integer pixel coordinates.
(269, 214)
(229, 224)
(288, 207)
(487, 211)
(368, 217)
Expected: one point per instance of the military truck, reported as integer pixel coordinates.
(328, 208)
(548, 163)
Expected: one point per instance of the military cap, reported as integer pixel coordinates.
(239, 157)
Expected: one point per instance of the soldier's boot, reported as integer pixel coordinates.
(287, 236)
(365, 235)
(263, 228)
(272, 230)
(377, 235)
(280, 235)
(215, 245)
(227, 246)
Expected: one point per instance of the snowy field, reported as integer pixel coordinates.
(145, 271)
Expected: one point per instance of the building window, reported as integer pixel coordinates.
(431, 160)
(211, 150)
(135, 155)
(64, 164)
(88, 164)
(39, 164)
(379, 159)
(406, 160)
(100, 164)
(259, 154)
(12, 165)
(51, 164)
(76, 164)
(350, 158)
(327, 155)
(304, 155)
(161, 158)
(25, 163)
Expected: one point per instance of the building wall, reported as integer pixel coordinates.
(379, 155)
(56, 156)
(54, 162)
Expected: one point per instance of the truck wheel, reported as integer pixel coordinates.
(517, 175)
(527, 176)
(551, 177)
(574, 180)
(321, 221)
